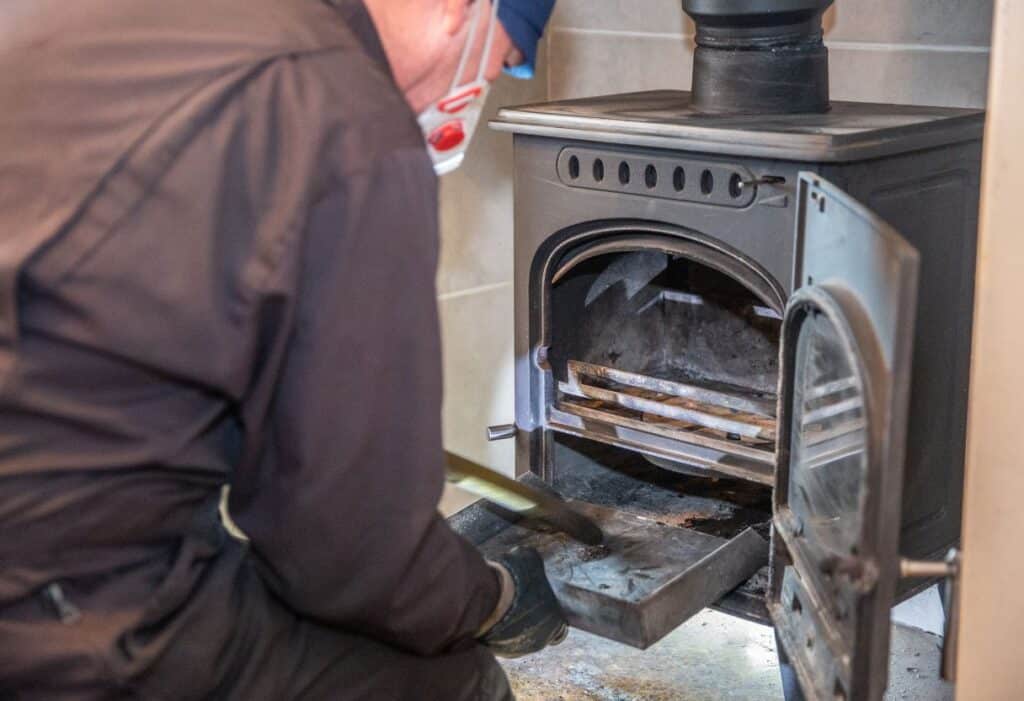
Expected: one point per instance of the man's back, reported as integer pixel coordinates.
(197, 265)
(122, 337)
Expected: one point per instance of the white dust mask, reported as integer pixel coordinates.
(449, 123)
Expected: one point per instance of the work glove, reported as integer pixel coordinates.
(528, 615)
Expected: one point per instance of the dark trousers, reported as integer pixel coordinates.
(219, 635)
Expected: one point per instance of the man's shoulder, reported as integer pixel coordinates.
(344, 72)
(180, 65)
(356, 91)
(153, 54)
(302, 26)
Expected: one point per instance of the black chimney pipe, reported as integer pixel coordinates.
(759, 56)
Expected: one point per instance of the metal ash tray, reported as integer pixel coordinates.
(645, 580)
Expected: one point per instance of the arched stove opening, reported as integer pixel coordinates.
(669, 348)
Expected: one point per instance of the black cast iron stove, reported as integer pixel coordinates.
(747, 310)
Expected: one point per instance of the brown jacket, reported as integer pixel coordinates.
(218, 241)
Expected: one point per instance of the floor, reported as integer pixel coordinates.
(712, 657)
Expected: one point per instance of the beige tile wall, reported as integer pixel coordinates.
(475, 288)
(917, 51)
(912, 51)
(476, 200)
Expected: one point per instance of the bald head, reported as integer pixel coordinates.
(423, 40)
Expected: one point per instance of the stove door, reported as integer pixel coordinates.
(846, 350)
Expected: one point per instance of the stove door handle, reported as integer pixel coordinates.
(501, 432)
(949, 569)
(761, 180)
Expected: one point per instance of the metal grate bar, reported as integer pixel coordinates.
(652, 396)
(764, 407)
(760, 455)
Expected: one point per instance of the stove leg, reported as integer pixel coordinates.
(790, 687)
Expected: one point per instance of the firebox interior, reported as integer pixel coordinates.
(668, 349)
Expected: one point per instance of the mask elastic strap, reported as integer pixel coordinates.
(467, 49)
(486, 58)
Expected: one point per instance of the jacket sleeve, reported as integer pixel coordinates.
(339, 483)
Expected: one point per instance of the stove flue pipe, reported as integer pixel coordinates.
(759, 56)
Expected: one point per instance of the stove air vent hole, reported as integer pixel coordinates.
(735, 186)
(574, 167)
(598, 170)
(651, 177)
(707, 182)
(678, 179)
(624, 173)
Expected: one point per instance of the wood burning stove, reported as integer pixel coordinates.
(729, 320)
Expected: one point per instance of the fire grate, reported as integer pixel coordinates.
(731, 420)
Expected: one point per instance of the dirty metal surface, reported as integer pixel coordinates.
(645, 580)
(623, 480)
(618, 479)
(626, 481)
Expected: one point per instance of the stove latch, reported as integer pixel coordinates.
(761, 180)
(501, 432)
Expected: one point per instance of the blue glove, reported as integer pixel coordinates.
(524, 22)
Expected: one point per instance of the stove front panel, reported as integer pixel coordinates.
(566, 188)
(548, 209)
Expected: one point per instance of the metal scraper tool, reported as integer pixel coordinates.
(522, 499)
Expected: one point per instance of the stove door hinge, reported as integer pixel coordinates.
(948, 569)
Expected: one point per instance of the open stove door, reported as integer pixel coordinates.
(846, 353)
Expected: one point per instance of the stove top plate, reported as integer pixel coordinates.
(666, 119)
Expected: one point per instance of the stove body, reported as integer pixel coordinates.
(655, 252)
(743, 326)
